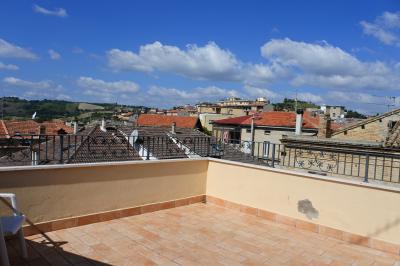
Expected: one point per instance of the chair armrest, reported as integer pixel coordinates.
(13, 199)
(7, 195)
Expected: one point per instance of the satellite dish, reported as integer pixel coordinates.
(34, 115)
(134, 135)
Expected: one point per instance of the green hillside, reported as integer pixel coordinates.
(16, 108)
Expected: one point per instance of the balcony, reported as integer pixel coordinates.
(201, 211)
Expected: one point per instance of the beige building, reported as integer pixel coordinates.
(333, 111)
(268, 127)
(382, 128)
(234, 106)
(207, 120)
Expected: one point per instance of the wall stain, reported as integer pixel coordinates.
(305, 206)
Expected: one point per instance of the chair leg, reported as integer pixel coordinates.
(22, 243)
(3, 250)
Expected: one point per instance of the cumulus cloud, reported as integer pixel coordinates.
(173, 96)
(13, 51)
(256, 92)
(327, 66)
(54, 55)
(37, 89)
(16, 82)
(8, 66)
(209, 62)
(310, 97)
(58, 12)
(384, 28)
(108, 91)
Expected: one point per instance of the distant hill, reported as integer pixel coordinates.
(90, 107)
(17, 108)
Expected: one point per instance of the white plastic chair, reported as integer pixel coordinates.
(11, 225)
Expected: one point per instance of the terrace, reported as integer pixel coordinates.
(201, 211)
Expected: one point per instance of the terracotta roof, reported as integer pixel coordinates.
(274, 119)
(13, 127)
(165, 120)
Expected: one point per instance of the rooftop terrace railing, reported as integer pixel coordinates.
(68, 149)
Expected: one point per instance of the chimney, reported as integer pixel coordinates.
(299, 121)
(41, 130)
(173, 128)
(103, 125)
(324, 130)
(75, 127)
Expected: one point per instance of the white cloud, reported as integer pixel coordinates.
(108, 91)
(115, 86)
(173, 96)
(379, 32)
(16, 82)
(13, 51)
(208, 62)
(310, 97)
(58, 12)
(327, 66)
(256, 92)
(8, 66)
(37, 89)
(384, 28)
(40, 94)
(54, 55)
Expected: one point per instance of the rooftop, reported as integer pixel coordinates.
(273, 119)
(13, 127)
(197, 234)
(165, 120)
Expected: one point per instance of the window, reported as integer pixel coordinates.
(248, 130)
(363, 127)
(391, 124)
(345, 132)
(267, 132)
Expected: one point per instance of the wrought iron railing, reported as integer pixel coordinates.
(68, 149)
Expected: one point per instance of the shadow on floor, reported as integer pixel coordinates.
(43, 252)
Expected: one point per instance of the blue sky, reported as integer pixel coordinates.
(165, 53)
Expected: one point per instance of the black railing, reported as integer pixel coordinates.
(68, 149)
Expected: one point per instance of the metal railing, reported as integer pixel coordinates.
(367, 165)
(68, 149)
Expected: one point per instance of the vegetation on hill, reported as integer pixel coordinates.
(17, 108)
(354, 114)
(290, 105)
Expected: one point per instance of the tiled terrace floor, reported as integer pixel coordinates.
(197, 234)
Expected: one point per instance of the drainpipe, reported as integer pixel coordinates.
(75, 127)
(299, 121)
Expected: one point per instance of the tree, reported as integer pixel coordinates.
(354, 114)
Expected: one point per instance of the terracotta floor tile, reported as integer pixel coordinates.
(197, 234)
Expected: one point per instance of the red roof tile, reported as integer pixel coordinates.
(12, 127)
(166, 120)
(273, 119)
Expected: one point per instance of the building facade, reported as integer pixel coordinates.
(268, 127)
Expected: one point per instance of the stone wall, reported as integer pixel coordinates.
(375, 131)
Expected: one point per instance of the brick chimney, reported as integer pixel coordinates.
(324, 130)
